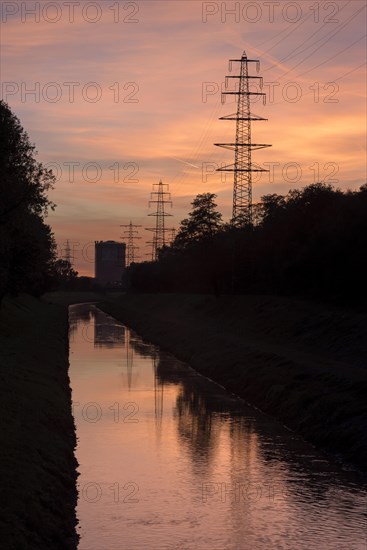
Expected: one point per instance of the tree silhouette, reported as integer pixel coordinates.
(308, 243)
(64, 274)
(203, 222)
(27, 247)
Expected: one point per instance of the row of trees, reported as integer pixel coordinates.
(310, 242)
(28, 260)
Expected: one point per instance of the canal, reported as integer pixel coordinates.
(170, 460)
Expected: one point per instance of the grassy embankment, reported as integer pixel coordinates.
(38, 467)
(303, 363)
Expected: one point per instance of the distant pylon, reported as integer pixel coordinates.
(243, 166)
(173, 235)
(68, 256)
(131, 248)
(159, 231)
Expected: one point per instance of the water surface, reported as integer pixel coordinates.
(170, 460)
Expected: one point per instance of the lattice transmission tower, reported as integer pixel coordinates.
(130, 245)
(243, 166)
(173, 234)
(68, 255)
(161, 198)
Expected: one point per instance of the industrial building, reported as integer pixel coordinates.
(109, 262)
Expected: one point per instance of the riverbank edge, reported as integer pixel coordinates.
(38, 465)
(326, 405)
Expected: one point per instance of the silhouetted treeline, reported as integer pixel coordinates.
(69, 280)
(311, 242)
(27, 246)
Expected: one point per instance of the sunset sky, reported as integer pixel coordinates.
(146, 76)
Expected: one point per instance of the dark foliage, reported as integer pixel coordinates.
(202, 224)
(311, 242)
(27, 247)
(65, 276)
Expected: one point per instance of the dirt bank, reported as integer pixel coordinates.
(302, 363)
(37, 463)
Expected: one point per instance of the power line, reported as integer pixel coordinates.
(293, 52)
(351, 71)
(333, 56)
(326, 39)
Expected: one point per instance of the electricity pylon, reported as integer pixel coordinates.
(130, 246)
(68, 256)
(159, 231)
(243, 146)
(173, 235)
